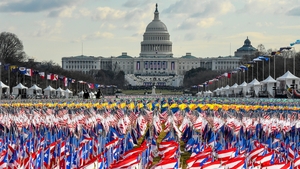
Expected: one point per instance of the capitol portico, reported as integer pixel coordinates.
(155, 63)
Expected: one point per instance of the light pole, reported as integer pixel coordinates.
(274, 67)
(285, 50)
(257, 60)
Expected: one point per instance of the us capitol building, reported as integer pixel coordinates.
(156, 63)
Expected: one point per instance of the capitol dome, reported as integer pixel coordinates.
(156, 25)
(156, 41)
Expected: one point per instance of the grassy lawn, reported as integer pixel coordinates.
(141, 92)
(184, 156)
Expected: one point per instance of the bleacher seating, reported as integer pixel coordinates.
(140, 80)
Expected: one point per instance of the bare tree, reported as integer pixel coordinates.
(11, 48)
(261, 49)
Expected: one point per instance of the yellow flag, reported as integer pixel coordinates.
(131, 106)
(174, 105)
(13, 67)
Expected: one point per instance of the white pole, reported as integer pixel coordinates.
(294, 67)
(270, 67)
(274, 67)
(257, 70)
(263, 72)
(284, 63)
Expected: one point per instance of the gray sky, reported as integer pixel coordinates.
(52, 29)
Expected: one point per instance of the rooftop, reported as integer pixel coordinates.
(247, 46)
(124, 55)
(188, 56)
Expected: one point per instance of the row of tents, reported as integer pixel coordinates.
(266, 88)
(21, 90)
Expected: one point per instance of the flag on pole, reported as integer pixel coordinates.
(29, 72)
(22, 70)
(65, 81)
(49, 76)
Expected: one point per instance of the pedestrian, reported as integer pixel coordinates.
(86, 94)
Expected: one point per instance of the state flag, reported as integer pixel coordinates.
(29, 72)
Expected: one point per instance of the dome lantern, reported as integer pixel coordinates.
(156, 13)
(247, 42)
(156, 41)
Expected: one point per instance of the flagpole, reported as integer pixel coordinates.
(241, 77)
(252, 67)
(270, 67)
(294, 60)
(0, 71)
(247, 74)
(274, 67)
(9, 78)
(256, 70)
(284, 62)
(237, 76)
(263, 72)
(46, 77)
(17, 76)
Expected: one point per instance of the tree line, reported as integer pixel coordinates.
(284, 61)
(12, 53)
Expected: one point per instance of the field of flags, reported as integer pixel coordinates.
(161, 133)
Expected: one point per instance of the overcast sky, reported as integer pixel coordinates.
(52, 29)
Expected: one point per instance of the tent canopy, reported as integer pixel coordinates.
(49, 88)
(288, 76)
(68, 91)
(2, 85)
(226, 87)
(217, 89)
(35, 87)
(20, 86)
(269, 80)
(234, 86)
(59, 90)
(244, 84)
(254, 83)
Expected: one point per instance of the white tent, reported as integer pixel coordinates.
(221, 91)
(254, 86)
(80, 94)
(287, 79)
(3, 86)
(68, 93)
(269, 80)
(20, 89)
(34, 90)
(216, 91)
(243, 88)
(49, 91)
(233, 88)
(288, 76)
(208, 93)
(199, 94)
(254, 82)
(226, 90)
(60, 92)
(92, 95)
(268, 85)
